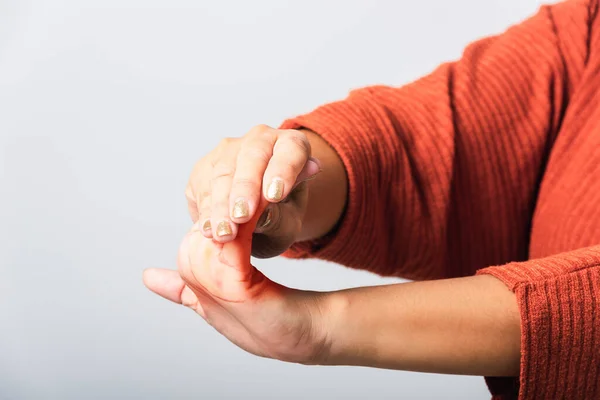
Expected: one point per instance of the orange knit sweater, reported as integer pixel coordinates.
(489, 165)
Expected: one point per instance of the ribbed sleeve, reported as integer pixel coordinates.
(560, 326)
(443, 172)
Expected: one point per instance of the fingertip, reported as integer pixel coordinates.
(274, 189)
(241, 210)
(316, 161)
(225, 231)
(204, 227)
(313, 166)
(165, 283)
(149, 277)
(266, 218)
(311, 169)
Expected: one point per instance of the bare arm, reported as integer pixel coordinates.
(455, 326)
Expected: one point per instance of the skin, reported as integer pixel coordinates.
(459, 326)
(243, 168)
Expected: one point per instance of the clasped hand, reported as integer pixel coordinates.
(229, 206)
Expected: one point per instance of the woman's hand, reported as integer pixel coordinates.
(227, 186)
(262, 317)
(457, 326)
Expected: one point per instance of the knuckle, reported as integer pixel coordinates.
(226, 142)
(244, 184)
(259, 129)
(222, 169)
(225, 146)
(299, 142)
(289, 168)
(221, 205)
(262, 133)
(256, 153)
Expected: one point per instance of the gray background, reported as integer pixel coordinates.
(104, 108)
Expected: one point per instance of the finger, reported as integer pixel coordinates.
(168, 284)
(252, 161)
(203, 224)
(310, 171)
(267, 219)
(271, 215)
(290, 154)
(165, 283)
(193, 254)
(223, 230)
(191, 202)
(278, 231)
(196, 188)
(236, 255)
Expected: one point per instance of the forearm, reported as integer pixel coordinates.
(327, 193)
(457, 326)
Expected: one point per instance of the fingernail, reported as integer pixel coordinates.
(265, 219)
(275, 189)
(197, 226)
(240, 209)
(206, 225)
(224, 229)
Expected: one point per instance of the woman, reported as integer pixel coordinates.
(479, 180)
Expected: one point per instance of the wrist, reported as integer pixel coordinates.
(341, 334)
(325, 334)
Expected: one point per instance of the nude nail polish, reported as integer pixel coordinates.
(275, 189)
(224, 229)
(240, 209)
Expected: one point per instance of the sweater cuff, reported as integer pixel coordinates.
(344, 125)
(560, 326)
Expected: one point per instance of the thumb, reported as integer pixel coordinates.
(165, 283)
(238, 251)
(311, 169)
(169, 285)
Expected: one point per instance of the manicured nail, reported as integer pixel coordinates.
(206, 225)
(240, 209)
(275, 190)
(224, 229)
(265, 219)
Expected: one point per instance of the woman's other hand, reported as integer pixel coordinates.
(227, 186)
